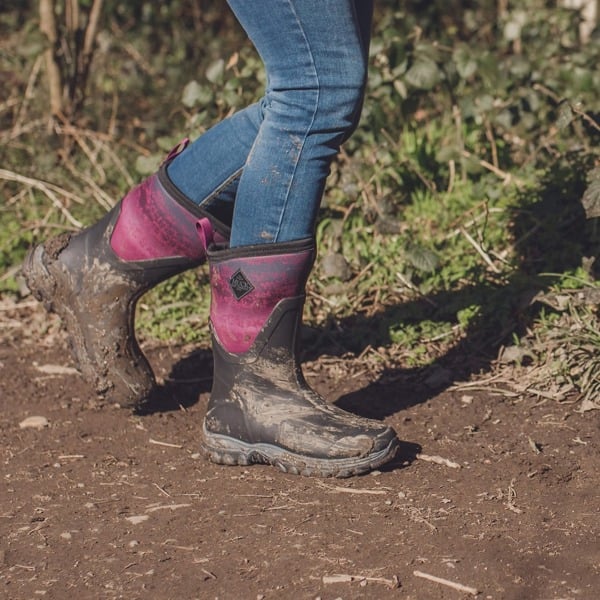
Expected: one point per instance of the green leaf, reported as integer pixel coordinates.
(167, 143)
(512, 31)
(424, 74)
(422, 258)
(466, 65)
(146, 165)
(215, 71)
(195, 94)
(591, 196)
(400, 87)
(447, 153)
(565, 115)
(514, 26)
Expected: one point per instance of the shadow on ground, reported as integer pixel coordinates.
(552, 237)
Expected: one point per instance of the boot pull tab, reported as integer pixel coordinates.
(205, 232)
(177, 150)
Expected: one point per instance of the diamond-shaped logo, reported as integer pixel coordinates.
(239, 284)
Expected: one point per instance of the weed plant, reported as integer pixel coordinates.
(470, 190)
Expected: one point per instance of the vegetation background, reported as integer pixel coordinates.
(459, 231)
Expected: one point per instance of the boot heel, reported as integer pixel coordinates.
(39, 280)
(224, 450)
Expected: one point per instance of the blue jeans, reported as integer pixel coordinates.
(272, 158)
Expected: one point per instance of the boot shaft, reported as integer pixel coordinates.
(247, 285)
(156, 221)
(152, 225)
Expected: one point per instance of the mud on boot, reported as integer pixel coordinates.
(261, 409)
(93, 280)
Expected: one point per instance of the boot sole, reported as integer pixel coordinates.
(49, 288)
(224, 450)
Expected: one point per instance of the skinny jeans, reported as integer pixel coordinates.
(271, 160)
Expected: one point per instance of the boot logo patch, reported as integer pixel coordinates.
(239, 284)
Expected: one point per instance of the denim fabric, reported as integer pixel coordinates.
(275, 155)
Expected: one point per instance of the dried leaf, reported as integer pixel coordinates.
(587, 405)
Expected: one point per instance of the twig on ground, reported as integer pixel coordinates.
(56, 370)
(105, 201)
(151, 441)
(28, 95)
(504, 175)
(415, 515)
(512, 494)
(478, 382)
(89, 153)
(27, 127)
(12, 305)
(574, 107)
(455, 586)
(161, 489)
(439, 460)
(167, 507)
(344, 490)
(480, 251)
(392, 583)
(481, 385)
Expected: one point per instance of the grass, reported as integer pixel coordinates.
(445, 220)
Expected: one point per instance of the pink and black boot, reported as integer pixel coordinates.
(261, 409)
(93, 280)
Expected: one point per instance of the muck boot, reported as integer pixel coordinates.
(261, 409)
(93, 280)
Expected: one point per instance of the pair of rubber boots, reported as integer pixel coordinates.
(261, 410)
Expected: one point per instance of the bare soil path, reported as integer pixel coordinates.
(496, 494)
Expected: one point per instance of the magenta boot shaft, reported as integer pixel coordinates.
(153, 225)
(247, 287)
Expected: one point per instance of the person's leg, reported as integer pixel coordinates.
(261, 410)
(209, 170)
(314, 53)
(93, 279)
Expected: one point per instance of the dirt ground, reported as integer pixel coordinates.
(496, 492)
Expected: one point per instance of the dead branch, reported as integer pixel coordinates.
(48, 28)
(91, 30)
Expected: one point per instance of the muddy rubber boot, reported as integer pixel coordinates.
(261, 409)
(93, 280)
